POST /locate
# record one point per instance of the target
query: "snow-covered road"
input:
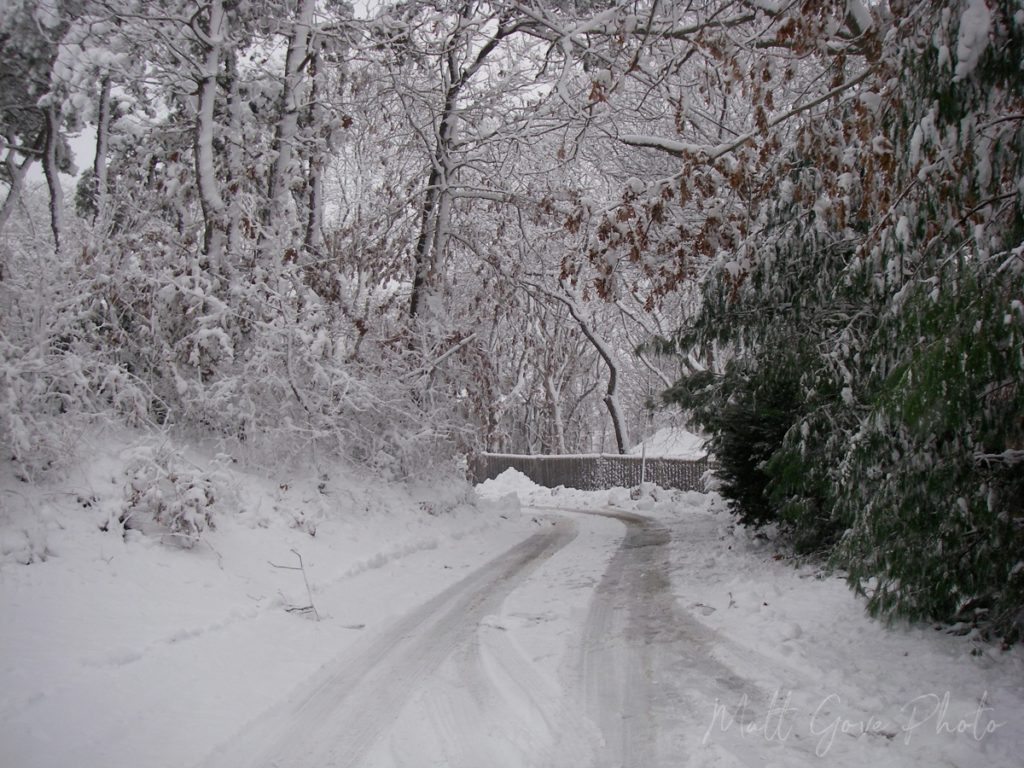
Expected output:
(573, 648)
(550, 629)
(451, 683)
(341, 713)
(647, 666)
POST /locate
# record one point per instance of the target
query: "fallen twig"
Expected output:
(311, 608)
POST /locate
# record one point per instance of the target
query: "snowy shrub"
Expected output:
(748, 411)
(30, 431)
(54, 373)
(46, 394)
(162, 487)
(25, 545)
(266, 364)
(935, 485)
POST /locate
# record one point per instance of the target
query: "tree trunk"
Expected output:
(432, 238)
(99, 165)
(286, 133)
(52, 172)
(317, 161)
(206, 177)
(16, 174)
(611, 400)
(235, 165)
(558, 424)
(421, 255)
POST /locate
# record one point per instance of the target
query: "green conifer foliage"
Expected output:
(935, 485)
(748, 412)
(891, 255)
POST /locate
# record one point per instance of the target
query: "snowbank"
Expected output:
(511, 481)
(649, 499)
(841, 688)
(124, 648)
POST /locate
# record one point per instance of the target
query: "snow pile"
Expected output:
(513, 484)
(512, 490)
(510, 481)
(672, 443)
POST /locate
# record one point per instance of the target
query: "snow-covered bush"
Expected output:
(748, 411)
(54, 371)
(165, 489)
(45, 394)
(31, 402)
(24, 545)
(935, 488)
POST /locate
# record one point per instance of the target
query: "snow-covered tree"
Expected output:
(881, 253)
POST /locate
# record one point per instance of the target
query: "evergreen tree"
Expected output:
(890, 252)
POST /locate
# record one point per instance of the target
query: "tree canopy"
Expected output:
(402, 235)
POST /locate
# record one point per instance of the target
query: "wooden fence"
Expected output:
(592, 472)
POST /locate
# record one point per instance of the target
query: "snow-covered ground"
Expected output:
(123, 649)
(519, 626)
(820, 683)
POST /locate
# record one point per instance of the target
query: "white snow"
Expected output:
(871, 100)
(842, 689)
(511, 482)
(856, 692)
(47, 14)
(861, 14)
(118, 650)
(672, 146)
(672, 443)
(972, 40)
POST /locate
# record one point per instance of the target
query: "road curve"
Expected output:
(637, 688)
(334, 719)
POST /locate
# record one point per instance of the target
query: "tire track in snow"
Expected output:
(493, 707)
(647, 674)
(505, 698)
(334, 719)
